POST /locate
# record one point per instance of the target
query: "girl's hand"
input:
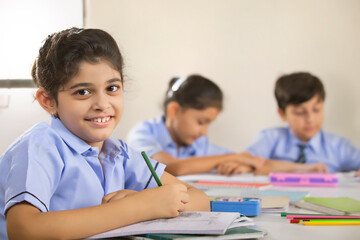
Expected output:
(357, 174)
(165, 201)
(117, 195)
(233, 167)
(253, 161)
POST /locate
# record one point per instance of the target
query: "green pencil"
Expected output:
(152, 170)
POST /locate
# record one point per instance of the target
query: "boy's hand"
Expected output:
(233, 167)
(357, 174)
(316, 167)
(117, 195)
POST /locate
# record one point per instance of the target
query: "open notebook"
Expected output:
(214, 223)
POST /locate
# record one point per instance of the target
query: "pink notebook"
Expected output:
(304, 179)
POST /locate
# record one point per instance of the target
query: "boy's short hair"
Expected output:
(297, 88)
(62, 52)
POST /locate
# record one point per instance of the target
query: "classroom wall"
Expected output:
(243, 45)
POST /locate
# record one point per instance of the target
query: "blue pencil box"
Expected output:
(248, 206)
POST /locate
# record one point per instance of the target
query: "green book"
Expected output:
(331, 205)
(232, 233)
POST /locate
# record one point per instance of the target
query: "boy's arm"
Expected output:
(199, 201)
(25, 221)
(273, 165)
(193, 165)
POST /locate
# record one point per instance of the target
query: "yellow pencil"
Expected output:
(330, 223)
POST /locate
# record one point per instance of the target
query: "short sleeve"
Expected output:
(137, 174)
(141, 138)
(262, 145)
(34, 172)
(349, 156)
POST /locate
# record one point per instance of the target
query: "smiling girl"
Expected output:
(71, 179)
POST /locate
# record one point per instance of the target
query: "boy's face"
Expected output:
(189, 124)
(305, 119)
(91, 103)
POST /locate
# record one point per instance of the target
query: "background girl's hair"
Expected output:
(194, 91)
(62, 52)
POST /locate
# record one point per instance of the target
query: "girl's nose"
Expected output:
(101, 102)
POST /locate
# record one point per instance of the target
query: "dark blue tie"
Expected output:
(301, 158)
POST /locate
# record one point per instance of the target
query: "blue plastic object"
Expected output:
(247, 206)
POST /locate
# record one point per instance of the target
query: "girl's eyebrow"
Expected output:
(90, 84)
(114, 80)
(80, 85)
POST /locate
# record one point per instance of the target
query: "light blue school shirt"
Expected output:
(52, 169)
(152, 136)
(337, 153)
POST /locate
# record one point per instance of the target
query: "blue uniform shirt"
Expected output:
(152, 136)
(280, 143)
(52, 169)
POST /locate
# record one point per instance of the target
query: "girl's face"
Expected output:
(91, 103)
(187, 125)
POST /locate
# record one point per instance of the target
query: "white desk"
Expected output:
(279, 228)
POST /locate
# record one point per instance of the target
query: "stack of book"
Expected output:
(331, 205)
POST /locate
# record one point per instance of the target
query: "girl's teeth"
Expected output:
(101, 119)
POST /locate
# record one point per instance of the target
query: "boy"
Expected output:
(303, 145)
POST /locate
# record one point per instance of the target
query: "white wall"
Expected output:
(24, 25)
(243, 45)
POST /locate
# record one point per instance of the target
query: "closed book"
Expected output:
(331, 205)
(233, 233)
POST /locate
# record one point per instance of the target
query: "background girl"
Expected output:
(179, 138)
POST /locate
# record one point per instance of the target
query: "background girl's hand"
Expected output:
(233, 167)
(117, 195)
(253, 161)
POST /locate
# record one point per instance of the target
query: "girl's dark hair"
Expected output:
(297, 88)
(195, 92)
(62, 52)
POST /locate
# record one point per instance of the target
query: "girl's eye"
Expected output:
(113, 88)
(82, 92)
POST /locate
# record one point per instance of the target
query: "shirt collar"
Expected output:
(70, 139)
(314, 144)
(113, 148)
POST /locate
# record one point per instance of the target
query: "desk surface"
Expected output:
(279, 228)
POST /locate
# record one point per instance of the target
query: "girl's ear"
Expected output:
(46, 102)
(172, 109)
(282, 114)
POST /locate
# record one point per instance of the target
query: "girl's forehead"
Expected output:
(95, 72)
(209, 112)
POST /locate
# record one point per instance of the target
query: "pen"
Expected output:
(330, 223)
(321, 220)
(151, 168)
